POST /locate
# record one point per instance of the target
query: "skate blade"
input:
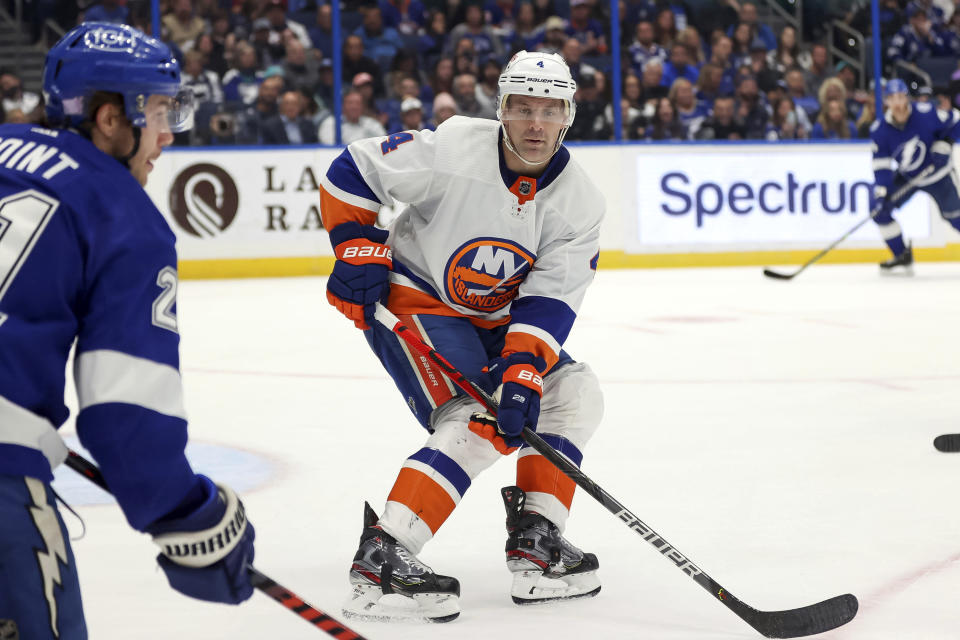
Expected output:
(898, 272)
(368, 603)
(532, 587)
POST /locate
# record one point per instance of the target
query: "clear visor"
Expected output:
(169, 114)
(555, 112)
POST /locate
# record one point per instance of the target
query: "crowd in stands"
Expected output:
(262, 70)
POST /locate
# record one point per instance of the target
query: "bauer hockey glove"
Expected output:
(205, 552)
(360, 274)
(518, 386)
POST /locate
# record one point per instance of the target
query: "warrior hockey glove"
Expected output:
(360, 274)
(205, 553)
(518, 385)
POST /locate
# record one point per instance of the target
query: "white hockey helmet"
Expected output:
(542, 75)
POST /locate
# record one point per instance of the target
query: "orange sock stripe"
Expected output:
(415, 490)
(536, 473)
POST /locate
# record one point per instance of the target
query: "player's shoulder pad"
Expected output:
(923, 107)
(584, 202)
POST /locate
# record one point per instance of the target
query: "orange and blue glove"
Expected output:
(361, 273)
(518, 384)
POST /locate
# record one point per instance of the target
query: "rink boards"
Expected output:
(254, 211)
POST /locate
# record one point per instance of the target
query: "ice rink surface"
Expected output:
(777, 433)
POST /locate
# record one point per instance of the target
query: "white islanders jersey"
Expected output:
(476, 239)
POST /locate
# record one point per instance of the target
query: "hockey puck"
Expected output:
(948, 443)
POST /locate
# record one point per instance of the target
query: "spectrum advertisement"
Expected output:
(749, 197)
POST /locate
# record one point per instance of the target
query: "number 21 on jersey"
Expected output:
(23, 217)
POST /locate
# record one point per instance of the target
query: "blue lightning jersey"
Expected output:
(924, 139)
(85, 256)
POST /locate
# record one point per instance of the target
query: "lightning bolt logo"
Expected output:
(48, 524)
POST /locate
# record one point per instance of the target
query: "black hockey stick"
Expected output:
(948, 443)
(281, 594)
(898, 194)
(793, 623)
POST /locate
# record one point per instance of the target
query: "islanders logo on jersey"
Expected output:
(485, 273)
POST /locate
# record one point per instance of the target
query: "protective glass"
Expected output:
(170, 114)
(555, 111)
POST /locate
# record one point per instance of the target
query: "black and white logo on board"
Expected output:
(204, 200)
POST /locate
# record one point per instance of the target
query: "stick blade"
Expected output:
(805, 621)
(948, 443)
(776, 275)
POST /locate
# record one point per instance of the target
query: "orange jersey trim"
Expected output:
(536, 473)
(427, 499)
(334, 211)
(408, 301)
(520, 341)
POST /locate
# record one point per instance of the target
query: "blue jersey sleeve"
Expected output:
(882, 155)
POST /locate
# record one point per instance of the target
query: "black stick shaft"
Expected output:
(281, 594)
(810, 620)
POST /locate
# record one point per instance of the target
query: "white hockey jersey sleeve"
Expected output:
(369, 174)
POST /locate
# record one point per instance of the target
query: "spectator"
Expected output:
(585, 29)
(204, 83)
(748, 16)
(213, 54)
(15, 116)
(465, 58)
(433, 38)
(590, 123)
(411, 115)
(379, 42)
(783, 124)
(289, 126)
(355, 61)
(819, 69)
(665, 124)
(690, 38)
(571, 54)
(354, 125)
(743, 37)
(465, 93)
(488, 88)
(324, 92)
(722, 125)
(652, 81)
(107, 11)
(301, 69)
(767, 77)
(15, 98)
(268, 95)
(268, 54)
(679, 66)
(867, 115)
(363, 84)
(721, 51)
(690, 112)
(321, 33)
(708, 85)
(797, 91)
(281, 27)
(834, 89)
(750, 109)
(665, 27)
(915, 39)
(525, 32)
(644, 47)
(833, 124)
(485, 41)
(788, 53)
(442, 79)
(554, 35)
(182, 25)
(444, 108)
(240, 85)
(406, 16)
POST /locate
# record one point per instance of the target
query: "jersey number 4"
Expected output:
(23, 217)
(394, 141)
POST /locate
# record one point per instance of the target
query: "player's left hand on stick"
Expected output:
(518, 383)
(361, 273)
(205, 552)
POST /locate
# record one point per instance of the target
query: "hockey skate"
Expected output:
(899, 265)
(391, 585)
(545, 566)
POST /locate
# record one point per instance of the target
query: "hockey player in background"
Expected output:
(909, 138)
(490, 262)
(85, 256)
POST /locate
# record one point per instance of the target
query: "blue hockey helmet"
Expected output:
(895, 85)
(100, 56)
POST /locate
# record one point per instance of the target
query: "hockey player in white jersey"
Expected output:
(488, 263)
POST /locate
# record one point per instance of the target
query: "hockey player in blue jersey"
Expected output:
(86, 257)
(908, 139)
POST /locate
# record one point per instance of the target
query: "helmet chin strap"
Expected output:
(556, 147)
(125, 160)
